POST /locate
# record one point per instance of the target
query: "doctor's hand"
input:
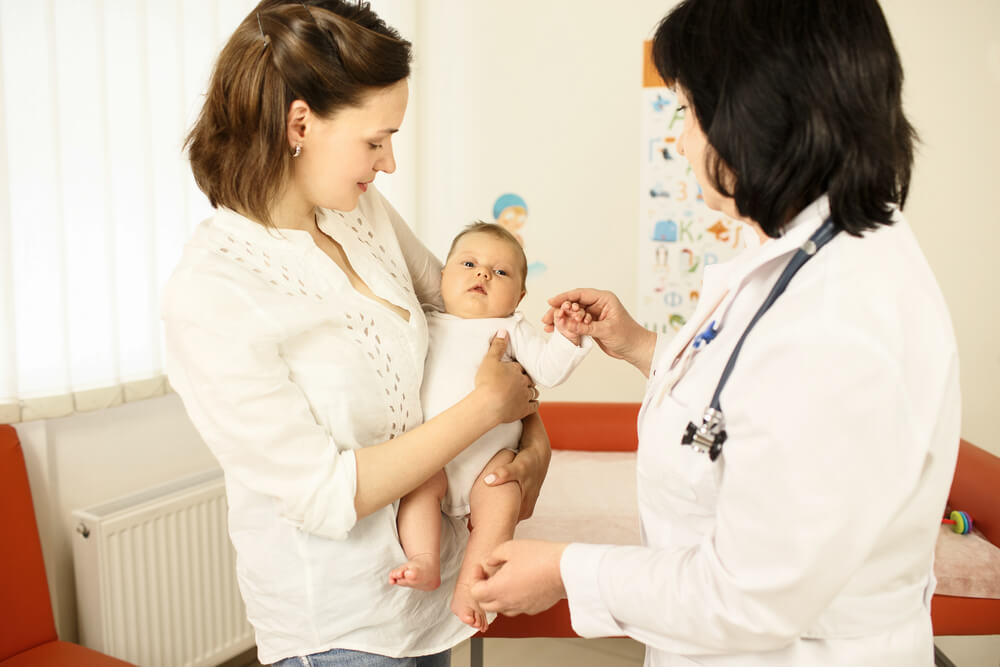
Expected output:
(601, 315)
(522, 577)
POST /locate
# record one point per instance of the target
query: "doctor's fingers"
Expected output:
(593, 301)
(509, 594)
(585, 296)
(492, 595)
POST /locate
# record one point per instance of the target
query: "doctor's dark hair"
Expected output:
(797, 99)
(328, 53)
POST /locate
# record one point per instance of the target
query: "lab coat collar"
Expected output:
(796, 233)
(729, 278)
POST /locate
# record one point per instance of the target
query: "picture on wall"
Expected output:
(510, 211)
(678, 235)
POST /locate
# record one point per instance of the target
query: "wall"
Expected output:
(951, 56)
(541, 98)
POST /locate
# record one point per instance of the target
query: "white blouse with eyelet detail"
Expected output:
(285, 370)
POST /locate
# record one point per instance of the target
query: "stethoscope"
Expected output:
(710, 435)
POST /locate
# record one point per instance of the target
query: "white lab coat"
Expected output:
(810, 541)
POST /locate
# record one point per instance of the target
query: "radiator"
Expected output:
(156, 577)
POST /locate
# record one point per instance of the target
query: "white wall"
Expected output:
(951, 56)
(541, 98)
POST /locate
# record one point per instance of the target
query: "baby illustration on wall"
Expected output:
(511, 212)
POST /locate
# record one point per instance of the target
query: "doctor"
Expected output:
(806, 536)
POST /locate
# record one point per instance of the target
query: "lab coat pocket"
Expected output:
(671, 473)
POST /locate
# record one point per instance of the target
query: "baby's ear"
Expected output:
(521, 298)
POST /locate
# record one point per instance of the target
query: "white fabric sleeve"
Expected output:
(588, 613)
(224, 362)
(549, 361)
(825, 434)
(662, 344)
(423, 265)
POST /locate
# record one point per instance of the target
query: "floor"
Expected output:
(554, 653)
(963, 651)
(532, 653)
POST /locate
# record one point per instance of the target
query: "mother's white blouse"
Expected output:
(285, 370)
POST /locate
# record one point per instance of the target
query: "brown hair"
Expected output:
(496, 231)
(329, 54)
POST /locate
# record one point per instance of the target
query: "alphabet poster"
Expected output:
(678, 235)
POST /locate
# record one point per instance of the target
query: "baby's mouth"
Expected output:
(478, 288)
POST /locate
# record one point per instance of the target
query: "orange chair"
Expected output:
(975, 489)
(612, 427)
(27, 628)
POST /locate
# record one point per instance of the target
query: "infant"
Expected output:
(481, 284)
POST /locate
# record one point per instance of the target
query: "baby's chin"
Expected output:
(473, 313)
(484, 315)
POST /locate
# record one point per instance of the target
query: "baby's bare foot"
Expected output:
(467, 609)
(422, 572)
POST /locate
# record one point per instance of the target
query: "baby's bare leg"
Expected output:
(419, 525)
(494, 512)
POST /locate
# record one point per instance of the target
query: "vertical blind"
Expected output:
(96, 196)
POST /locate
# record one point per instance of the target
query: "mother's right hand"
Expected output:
(509, 390)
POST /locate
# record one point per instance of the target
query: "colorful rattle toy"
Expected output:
(960, 522)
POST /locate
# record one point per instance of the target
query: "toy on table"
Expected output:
(960, 522)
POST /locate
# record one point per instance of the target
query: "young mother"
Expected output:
(809, 540)
(296, 340)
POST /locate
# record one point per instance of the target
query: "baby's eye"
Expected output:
(501, 272)
(467, 264)
(374, 146)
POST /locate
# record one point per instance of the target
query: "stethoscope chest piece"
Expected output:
(709, 436)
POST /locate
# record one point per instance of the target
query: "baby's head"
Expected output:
(483, 275)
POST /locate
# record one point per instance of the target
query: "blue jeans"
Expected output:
(339, 657)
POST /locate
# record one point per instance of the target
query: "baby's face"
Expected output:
(482, 277)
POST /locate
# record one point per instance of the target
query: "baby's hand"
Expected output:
(565, 319)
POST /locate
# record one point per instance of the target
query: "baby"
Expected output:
(481, 284)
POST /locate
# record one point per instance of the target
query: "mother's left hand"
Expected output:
(530, 465)
(522, 577)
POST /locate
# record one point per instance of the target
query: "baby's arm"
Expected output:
(548, 362)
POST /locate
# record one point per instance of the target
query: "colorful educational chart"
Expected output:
(678, 235)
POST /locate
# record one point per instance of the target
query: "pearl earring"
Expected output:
(298, 150)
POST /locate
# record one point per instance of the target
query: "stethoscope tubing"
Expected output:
(710, 435)
(806, 251)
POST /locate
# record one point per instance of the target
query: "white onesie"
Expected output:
(455, 351)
